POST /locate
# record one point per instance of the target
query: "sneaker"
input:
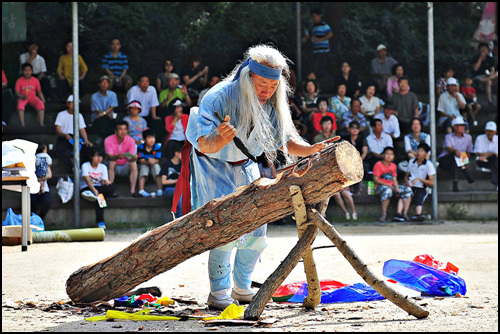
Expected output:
(89, 196)
(220, 304)
(347, 216)
(144, 193)
(244, 298)
(420, 218)
(399, 217)
(354, 216)
(159, 193)
(101, 225)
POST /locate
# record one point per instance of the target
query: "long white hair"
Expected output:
(248, 112)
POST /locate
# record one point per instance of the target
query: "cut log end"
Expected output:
(350, 163)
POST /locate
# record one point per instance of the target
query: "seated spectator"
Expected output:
(381, 68)
(353, 114)
(420, 175)
(327, 130)
(148, 160)
(39, 67)
(266, 167)
(115, 65)
(121, 152)
(169, 174)
(8, 104)
(349, 80)
(450, 104)
(95, 181)
(136, 124)
(176, 125)
(415, 138)
(456, 145)
(484, 72)
(65, 72)
(64, 131)
(389, 121)
(406, 104)
(345, 195)
(310, 98)
(102, 107)
(386, 186)
(173, 91)
(340, 104)
(162, 77)
(303, 87)
(320, 114)
(41, 202)
(27, 89)
(147, 96)
(441, 83)
(377, 141)
(471, 105)
(393, 81)
(294, 99)
(214, 80)
(486, 149)
(194, 77)
(370, 104)
(358, 140)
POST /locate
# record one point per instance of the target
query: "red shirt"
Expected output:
(379, 169)
(4, 78)
(317, 121)
(28, 87)
(468, 92)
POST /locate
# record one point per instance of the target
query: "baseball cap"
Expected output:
(491, 126)
(71, 98)
(452, 81)
(134, 104)
(173, 75)
(390, 106)
(177, 103)
(458, 121)
(104, 77)
(381, 47)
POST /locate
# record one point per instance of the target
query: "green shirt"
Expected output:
(320, 137)
(177, 94)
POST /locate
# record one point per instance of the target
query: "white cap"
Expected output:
(134, 103)
(381, 47)
(452, 81)
(177, 103)
(70, 99)
(491, 126)
(458, 121)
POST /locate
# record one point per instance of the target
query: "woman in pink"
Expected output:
(27, 88)
(393, 81)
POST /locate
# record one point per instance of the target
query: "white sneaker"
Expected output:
(144, 193)
(243, 297)
(347, 216)
(89, 196)
(220, 304)
(354, 216)
(159, 193)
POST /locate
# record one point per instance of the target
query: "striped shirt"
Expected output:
(320, 30)
(115, 65)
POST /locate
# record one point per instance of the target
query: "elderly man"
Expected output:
(381, 68)
(486, 148)
(449, 105)
(457, 146)
(252, 101)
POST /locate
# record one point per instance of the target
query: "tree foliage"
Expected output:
(220, 32)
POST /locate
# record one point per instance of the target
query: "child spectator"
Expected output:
(386, 185)
(170, 172)
(27, 89)
(95, 181)
(471, 105)
(136, 124)
(320, 114)
(326, 130)
(39, 67)
(41, 202)
(419, 176)
(148, 160)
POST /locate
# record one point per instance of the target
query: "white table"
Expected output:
(26, 205)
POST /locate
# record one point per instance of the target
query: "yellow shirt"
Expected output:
(65, 67)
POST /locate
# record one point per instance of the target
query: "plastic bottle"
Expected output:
(371, 188)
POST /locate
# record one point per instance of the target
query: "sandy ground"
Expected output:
(39, 276)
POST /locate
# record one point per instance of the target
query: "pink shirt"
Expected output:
(28, 87)
(112, 146)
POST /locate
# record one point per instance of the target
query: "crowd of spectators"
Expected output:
(382, 118)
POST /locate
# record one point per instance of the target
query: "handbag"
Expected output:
(13, 219)
(65, 189)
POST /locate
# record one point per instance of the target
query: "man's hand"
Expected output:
(226, 131)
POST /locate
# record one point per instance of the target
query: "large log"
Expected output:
(217, 223)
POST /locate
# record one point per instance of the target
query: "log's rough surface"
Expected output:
(218, 222)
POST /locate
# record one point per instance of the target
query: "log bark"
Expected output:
(217, 223)
(362, 269)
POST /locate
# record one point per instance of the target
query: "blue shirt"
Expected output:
(115, 65)
(103, 102)
(321, 30)
(211, 175)
(143, 153)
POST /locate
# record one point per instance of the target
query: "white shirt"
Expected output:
(38, 63)
(148, 99)
(377, 145)
(178, 132)
(483, 145)
(65, 120)
(421, 171)
(96, 175)
(449, 105)
(370, 106)
(391, 125)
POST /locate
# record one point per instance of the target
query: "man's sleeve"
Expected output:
(202, 122)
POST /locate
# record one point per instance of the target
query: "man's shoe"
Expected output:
(245, 298)
(220, 304)
(89, 196)
(421, 218)
(399, 217)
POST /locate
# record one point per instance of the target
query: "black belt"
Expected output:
(234, 163)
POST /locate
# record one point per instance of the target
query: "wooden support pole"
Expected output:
(362, 269)
(314, 296)
(273, 282)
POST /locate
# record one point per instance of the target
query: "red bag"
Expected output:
(430, 261)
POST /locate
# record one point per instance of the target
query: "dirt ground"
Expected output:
(39, 276)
